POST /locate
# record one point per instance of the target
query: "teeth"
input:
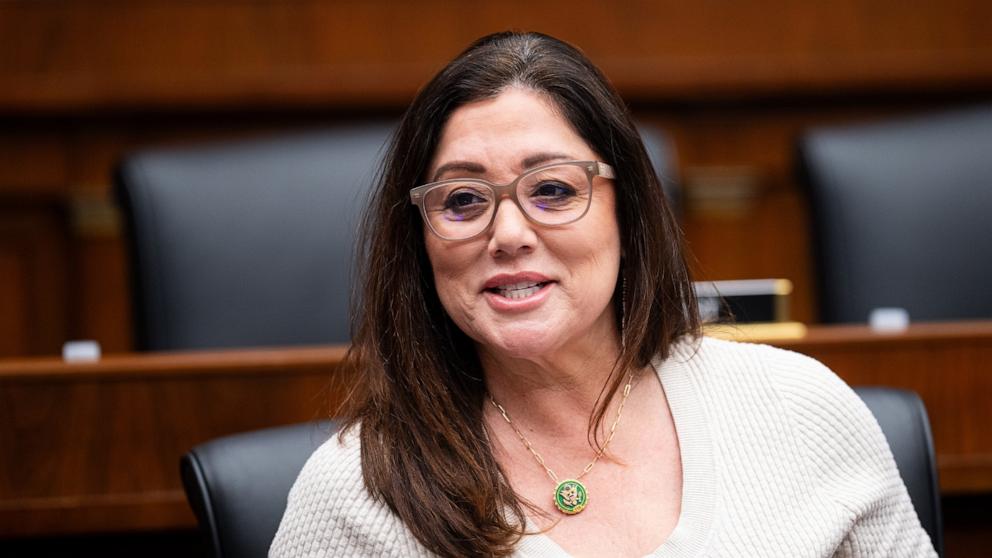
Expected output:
(519, 290)
(520, 293)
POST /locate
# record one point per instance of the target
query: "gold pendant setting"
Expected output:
(571, 496)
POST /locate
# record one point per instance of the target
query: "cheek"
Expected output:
(598, 258)
(602, 269)
(603, 231)
(451, 266)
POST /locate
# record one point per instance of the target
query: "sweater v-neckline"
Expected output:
(691, 532)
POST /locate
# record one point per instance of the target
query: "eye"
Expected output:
(462, 203)
(554, 190)
(463, 199)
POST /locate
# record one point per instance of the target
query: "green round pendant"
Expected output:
(571, 496)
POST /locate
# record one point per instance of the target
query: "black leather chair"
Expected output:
(906, 426)
(251, 243)
(900, 214)
(247, 243)
(238, 485)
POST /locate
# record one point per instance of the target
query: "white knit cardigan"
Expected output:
(779, 458)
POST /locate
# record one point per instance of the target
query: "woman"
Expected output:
(533, 379)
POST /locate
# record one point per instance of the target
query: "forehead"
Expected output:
(500, 133)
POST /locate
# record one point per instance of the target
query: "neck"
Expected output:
(552, 391)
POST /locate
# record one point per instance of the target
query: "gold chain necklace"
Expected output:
(570, 495)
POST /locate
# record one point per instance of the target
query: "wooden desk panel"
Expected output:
(96, 447)
(91, 448)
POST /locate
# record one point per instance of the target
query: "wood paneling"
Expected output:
(13, 339)
(104, 313)
(33, 271)
(32, 158)
(97, 445)
(83, 55)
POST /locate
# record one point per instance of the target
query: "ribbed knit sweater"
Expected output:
(779, 458)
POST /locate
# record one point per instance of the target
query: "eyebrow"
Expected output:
(475, 168)
(539, 158)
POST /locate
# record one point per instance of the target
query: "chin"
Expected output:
(522, 343)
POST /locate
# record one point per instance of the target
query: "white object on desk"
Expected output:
(81, 351)
(888, 320)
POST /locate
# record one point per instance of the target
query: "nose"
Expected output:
(511, 234)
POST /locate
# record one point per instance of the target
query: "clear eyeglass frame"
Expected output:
(500, 191)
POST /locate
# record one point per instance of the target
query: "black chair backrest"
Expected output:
(248, 243)
(238, 485)
(900, 214)
(906, 426)
(664, 158)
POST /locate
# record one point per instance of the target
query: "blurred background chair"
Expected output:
(900, 214)
(661, 150)
(248, 243)
(238, 485)
(251, 243)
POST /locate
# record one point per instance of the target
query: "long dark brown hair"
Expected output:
(419, 404)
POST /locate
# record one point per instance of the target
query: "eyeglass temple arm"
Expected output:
(604, 170)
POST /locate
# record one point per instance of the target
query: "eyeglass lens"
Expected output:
(553, 195)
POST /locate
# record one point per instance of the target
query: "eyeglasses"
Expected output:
(555, 194)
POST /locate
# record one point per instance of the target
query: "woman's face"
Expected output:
(521, 289)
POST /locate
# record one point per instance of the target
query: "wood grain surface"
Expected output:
(95, 447)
